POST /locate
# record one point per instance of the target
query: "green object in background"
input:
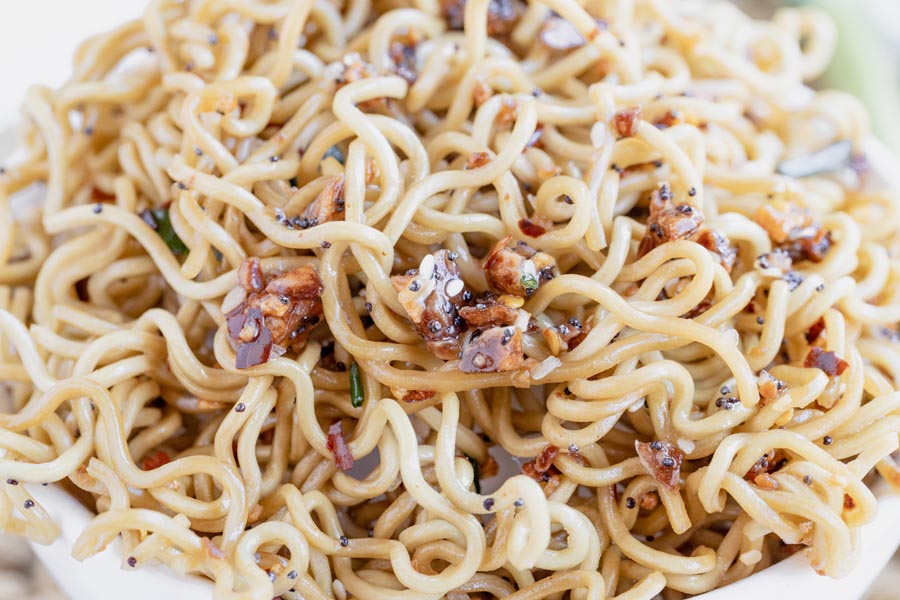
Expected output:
(864, 66)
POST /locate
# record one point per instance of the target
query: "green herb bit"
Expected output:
(158, 219)
(529, 282)
(476, 476)
(357, 397)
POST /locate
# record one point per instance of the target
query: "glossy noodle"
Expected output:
(303, 276)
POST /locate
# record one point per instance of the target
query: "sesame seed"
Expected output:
(273, 159)
(573, 448)
(414, 286)
(827, 440)
(240, 407)
(344, 541)
(692, 192)
(519, 503)
(292, 575)
(132, 561)
(488, 504)
(760, 320)
(12, 482)
(630, 502)
(368, 307)
(820, 287)
(29, 503)
(213, 39)
(668, 462)
(325, 244)
(98, 208)
(198, 151)
(807, 480)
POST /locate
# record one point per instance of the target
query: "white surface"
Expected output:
(37, 39)
(102, 577)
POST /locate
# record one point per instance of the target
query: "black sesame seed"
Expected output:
(760, 320)
(668, 462)
(827, 440)
(414, 286)
(807, 480)
(368, 307)
(725, 389)
(98, 208)
(467, 295)
(519, 503)
(273, 159)
(272, 576)
(630, 502)
(29, 503)
(180, 185)
(692, 192)
(213, 39)
(434, 326)
(240, 407)
(12, 481)
(284, 300)
(292, 575)
(453, 255)
(325, 244)
(132, 561)
(198, 151)
(656, 445)
(820, 287)
(488, 504)
(567, 392)
(344, 541)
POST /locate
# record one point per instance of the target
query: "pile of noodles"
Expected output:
(699, 348)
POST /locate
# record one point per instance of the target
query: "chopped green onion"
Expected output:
(335, 153)
(293, 181)
(529, 282)
(476, 477)
(158, 219)
(357, 397)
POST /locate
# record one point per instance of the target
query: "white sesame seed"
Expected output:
(426, 267)
(339, 591)
(528, 268)
(454, 287)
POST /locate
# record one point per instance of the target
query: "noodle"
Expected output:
(307, 274)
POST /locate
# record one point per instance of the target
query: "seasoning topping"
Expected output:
(668, 222)
(281, 311)
(662, 461)
(492, 350)
(518, 270)
(432, 302)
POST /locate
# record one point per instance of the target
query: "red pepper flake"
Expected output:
(826, 361)
(541, 469)
(98, 195)
(627, 121)
(769, 386)
(155, 460)
(410, 396)
(343, 459)
(669, 119)
(849, 504)
(662, 460)
(530, 228)
(478, 159)
(649, 501)
(815, 331)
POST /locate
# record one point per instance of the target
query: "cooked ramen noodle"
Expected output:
(456, 299)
